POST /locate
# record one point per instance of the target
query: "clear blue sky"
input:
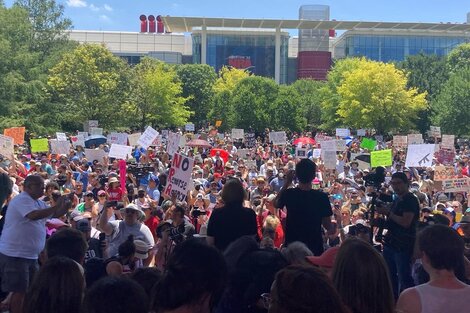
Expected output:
(123, 15)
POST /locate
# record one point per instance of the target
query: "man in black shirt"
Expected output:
(307, 209)
(402, 218)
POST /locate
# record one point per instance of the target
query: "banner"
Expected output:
(329, 159)
(278, 138)
(173, 143)
(343, 132)
(250, 140)
(300, 153)
(415, 139)
(400, 141)
(61, 136)
(39, 145)
(238, 133)
(179, 176)
(443, 172)
(133, 139)
(147, 137)
(381, 158)
(448, 142)
(95, 154)
(419, 155)
(120, 151)
(17, 133)
(78, 140)
(456, 185)
(59, 147)
(189, 127)
(368, 144)
(117, 138)
(435, 131)
(6, 147)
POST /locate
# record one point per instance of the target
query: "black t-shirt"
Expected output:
(229, 223)
(397, 236)
(94, 249)
(305, 211)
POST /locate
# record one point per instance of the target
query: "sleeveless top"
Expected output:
(438, 300)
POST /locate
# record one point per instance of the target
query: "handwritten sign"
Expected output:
(61, 136)
(321, 137)
(329, 159)
(78, 140)
(84, 134)
(238, 133)
(442, 173)
(17, 133)
(456, 185)
(368, 144)
(419, 155)
(381, 158)
(39, 145)
(133, 139)
(448, 142)
(179, 176)
(147, 137)
(6, 146)
(316, 153)
(278, 138)
(343, 132)
(117, 138)
(361, 132)
(250, 140)
(415, 139)
(400, 141)
(189, 127)
(120, 151)
(95, 154)
(435, 131)
(333, 145)
(173, 143)
(59, 147)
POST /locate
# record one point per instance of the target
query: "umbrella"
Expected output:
(95, 140)
(304, 141)
(223, 154)
(198, 143)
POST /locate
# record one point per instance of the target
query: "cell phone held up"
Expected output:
(112, 204)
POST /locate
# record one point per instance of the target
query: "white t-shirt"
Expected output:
(121, 232)
(21, 236)
(437, 300)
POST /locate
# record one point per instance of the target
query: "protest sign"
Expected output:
(448, 142)
(95, 131)
(133, 139)
(6, 146)
(59, 147)
(340, 145)
(158, 141)
(89, 125)
(278, 138)
(165, 133)
(419, 155)
(39, 145)
(95, 154)
(61, 136)
(179, 176)
(343, 132)
(243, 153)
(322, 137)
(173, 143)
(361, 132)
(78, 140)
(445, 157)
(329, 159)
(17, 133)
(379, 138)
(238, 133)
(117, 138)
(250, 140)
(381, 158)
(400, 141)
(147, 137)
(329, 145)
(415, 139)
(120, 151)
(189, 127)
(84, 134)
(368, 144)
(300, 153)
(218, 123)
(316, 153)
(435, 131)
(362, 159)
(443, 173)
(456, 185)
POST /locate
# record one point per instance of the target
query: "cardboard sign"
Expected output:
(133, 139)
(173, 143)
(179, 176)
(368, 144)
(456, 185)
(61, 136)
(343, 132)
(381, 158)
(6, 146)
(250, 140)
(400, 141)
(95, 131)
(189, 127)
(78, 140)
(59, 147)
(278, 138)
(435, 131)
(362, 159)
(118, 138)
(442, 173)
(448, 142)
(361, 132)
(95, 154)
(39, 145)
(415, 139)
(238, 133)
(120, 151)
(17, 133)
(147, 137)
(419, 155)
(329, 159)
(445, 157)
(300, 153)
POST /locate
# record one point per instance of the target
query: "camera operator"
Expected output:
(402, 219)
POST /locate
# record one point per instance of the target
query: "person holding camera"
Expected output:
(401, 221)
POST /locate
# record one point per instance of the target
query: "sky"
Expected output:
(123, 15)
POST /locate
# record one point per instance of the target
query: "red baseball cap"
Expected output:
(217, 175)
(327, 259)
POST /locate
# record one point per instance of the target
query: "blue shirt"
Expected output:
(153, 193)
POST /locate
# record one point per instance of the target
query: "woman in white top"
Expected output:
(442, 254)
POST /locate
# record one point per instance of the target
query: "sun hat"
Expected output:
(141, 249)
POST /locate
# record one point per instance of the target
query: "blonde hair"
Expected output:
(271, 221)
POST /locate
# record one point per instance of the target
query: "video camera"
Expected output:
(139, 170)
(176, 233)
(195, 213)
(376, 178)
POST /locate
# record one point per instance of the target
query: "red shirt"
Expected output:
(152, 223)
(115, 194)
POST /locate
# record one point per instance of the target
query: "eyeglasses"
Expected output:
(267, 300)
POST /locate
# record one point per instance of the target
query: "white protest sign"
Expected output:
(448, 142)
(329, 145)
(95, 131)
(120, 151)
(6, 146)
(238, 133)
(179, 176)
(435, 131)
(78, 140)
(84, 134)
(361, 132)
(189, 127)
(316, 153)
(343, 132)
(59, 147)
(243, 153)
(173, 143)
(95, 154)
(118, 138)
(419, 155)
(415, 139)
(456, 185)
(300, 153)
(61, 136)
(400, 141)
(329, 159)
(147, 137)
(90, 124)
(278, 138)
(133, 139)
(321, 137)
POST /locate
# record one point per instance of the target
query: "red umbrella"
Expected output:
(198, 143)
(223, 154)
(304, 141)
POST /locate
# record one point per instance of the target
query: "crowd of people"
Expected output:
(263, 231)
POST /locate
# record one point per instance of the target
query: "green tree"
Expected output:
(253, 100)
(375, 96)
(310, 99)
(198, 81)
(92, 83)
(157, 95)
(288, 110)
(451, 106)
(459, 58)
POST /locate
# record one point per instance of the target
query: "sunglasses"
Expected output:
(128, 211)
(102, 196)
